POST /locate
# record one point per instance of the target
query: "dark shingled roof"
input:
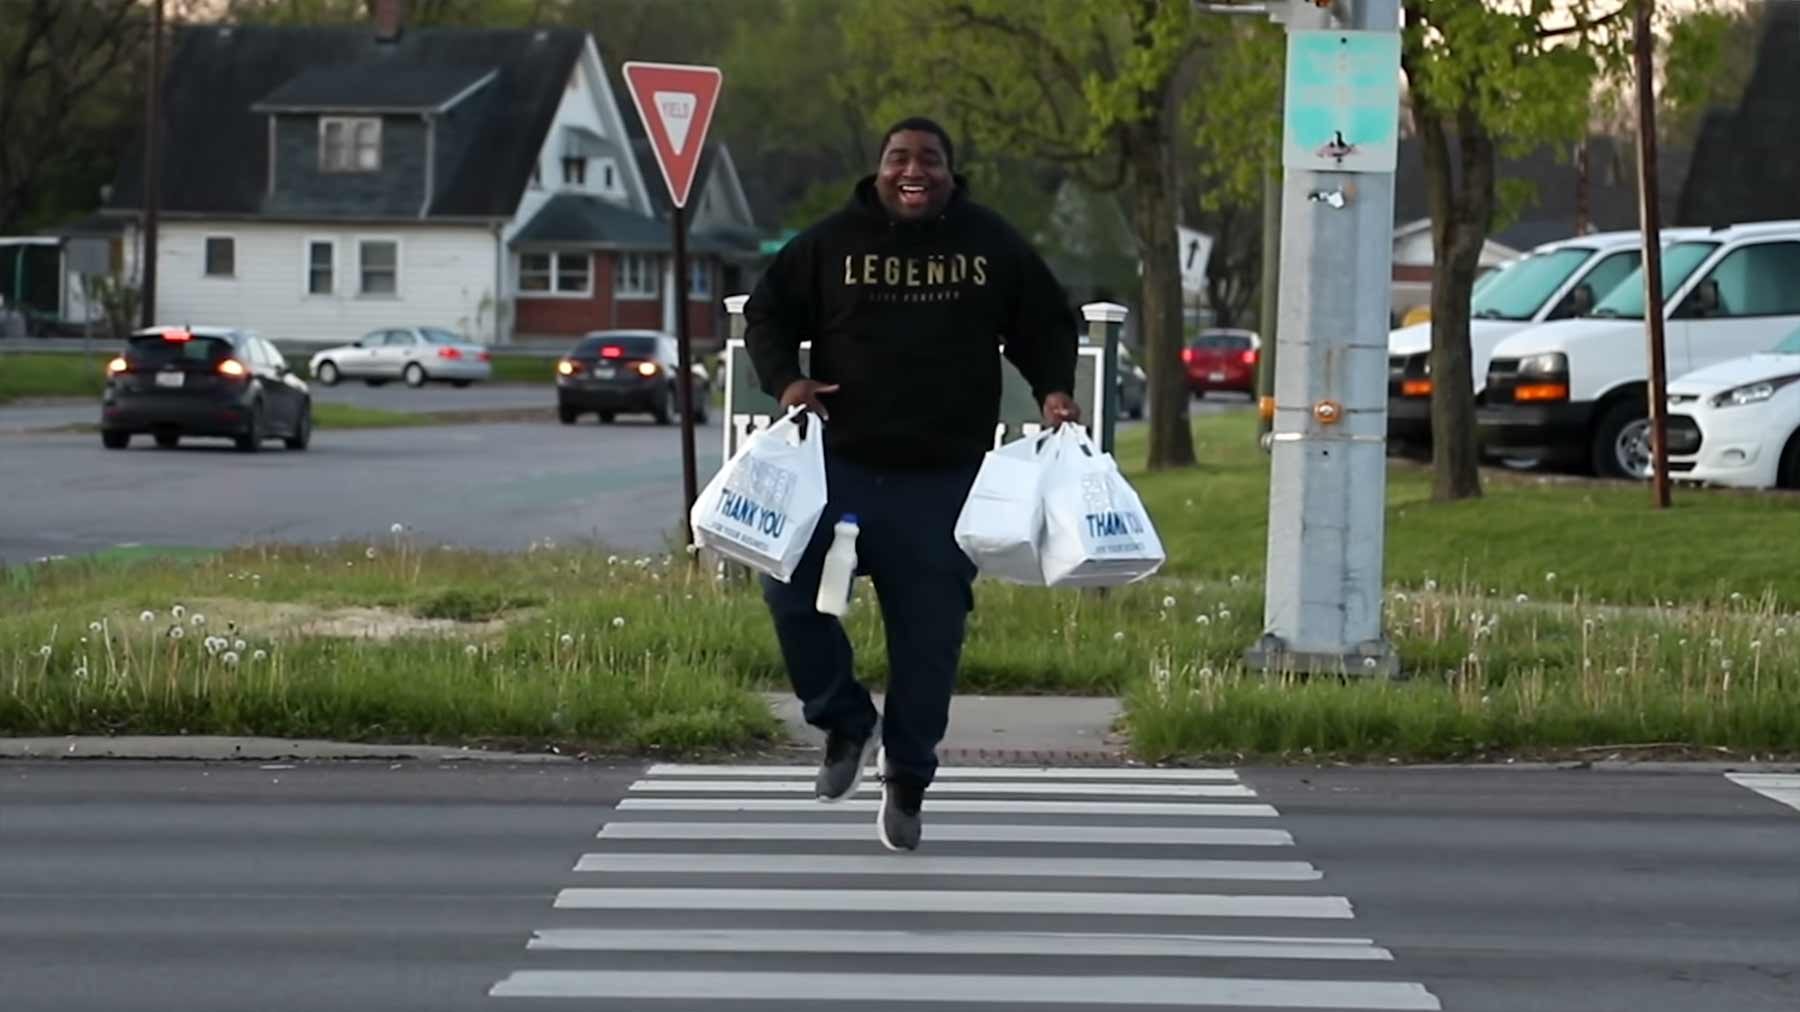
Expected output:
(216, 146)
(374, 88)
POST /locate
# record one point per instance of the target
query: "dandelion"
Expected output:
(257, 577)
(148, 616)
(369, 553)
(693, 549)
(1620, 672)
(1473, 658)
(397, 529)
(199, 620)
(1756, 644)
(1549, 577)
(81, 673)
(1399, 598)
(1476, 617)
(1725, 663)
(45, 651)
(1236, 579)
(1735, 596)
(643, 563)
(471, 650)
(230, 658)
(1780, 632)
(1206, 672)
(239, 646)
(1224, 614)
(1587, 626)
(618, 621)
(1118, 637)
(612, 560)
(1168, 602)
(93, 627)
(1521, 599)
(1717, 643)
(566, 640)
(176, 632)
(212, 647)
(1369, 663)
(178, 611)
(1202, 620)
(1431, 585)
(260, 655)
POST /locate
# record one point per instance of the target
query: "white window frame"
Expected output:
(205, 267)
(555, 276)
(700, 269)
(652, 274)
(353, 153)
(578, 163)
(399, 274)
(306, 266)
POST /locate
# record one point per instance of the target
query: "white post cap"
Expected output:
(1105, 312)
(734, 304)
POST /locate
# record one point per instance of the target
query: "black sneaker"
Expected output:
(898, 820)
(842, 771)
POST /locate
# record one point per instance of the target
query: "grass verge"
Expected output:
(47, 375)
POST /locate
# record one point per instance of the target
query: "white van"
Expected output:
(1555, 281)
(1575, 391)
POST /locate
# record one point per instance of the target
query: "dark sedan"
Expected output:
(174, 382)
(614, 372)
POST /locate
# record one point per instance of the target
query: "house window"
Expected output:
(321, 266)
(555, 274)
(609, 180)
(221, 256)
(349, 145)
(379, 261)
(575, 171)
(637, 277)
(699, 279)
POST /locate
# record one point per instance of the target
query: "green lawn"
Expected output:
(50, 375)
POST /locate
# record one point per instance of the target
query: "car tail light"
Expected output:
(450, 353)
(612, 351)
(1415, 388)
(1187, 355)
(567, 368)
(1540, 392)
(483, 357)
(117, 365)
(1250, 357)
(648, 368)
(232, 367)
(177, 335)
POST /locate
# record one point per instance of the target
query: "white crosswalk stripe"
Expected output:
(750, 862)
(1782, 787)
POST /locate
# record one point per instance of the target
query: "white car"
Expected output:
(1738, 423)
(1556, 281)
(416, 355)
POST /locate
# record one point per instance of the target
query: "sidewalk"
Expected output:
(982, 729)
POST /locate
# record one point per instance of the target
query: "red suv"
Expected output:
(1222, 360)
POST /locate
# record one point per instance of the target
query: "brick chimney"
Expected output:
(390, 16)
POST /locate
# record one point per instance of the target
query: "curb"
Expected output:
(210, 748)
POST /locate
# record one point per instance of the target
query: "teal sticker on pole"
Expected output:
(1342, 102)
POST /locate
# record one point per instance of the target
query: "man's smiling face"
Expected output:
(914, 180)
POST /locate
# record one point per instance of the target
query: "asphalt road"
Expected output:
(208, 887)
(491, 485)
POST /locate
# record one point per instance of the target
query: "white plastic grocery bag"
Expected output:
(1096, 530)
(762, 506)
(1001, 526)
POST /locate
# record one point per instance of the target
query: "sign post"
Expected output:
(676, 102)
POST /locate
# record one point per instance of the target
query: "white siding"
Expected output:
(586, 103)
(446, 279)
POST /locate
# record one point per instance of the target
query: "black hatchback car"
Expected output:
(613, 372)
(203, 381)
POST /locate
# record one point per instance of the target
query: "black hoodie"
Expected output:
(908, 319)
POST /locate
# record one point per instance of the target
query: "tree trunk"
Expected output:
(1153, 223)
(1461, 213)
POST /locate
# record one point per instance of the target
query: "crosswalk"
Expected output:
(1782, 787)
(730, 887)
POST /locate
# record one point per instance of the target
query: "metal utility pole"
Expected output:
(1649, 199)
(1328, 475)
(685, 385)
(152, 167)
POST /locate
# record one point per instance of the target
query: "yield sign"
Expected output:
(676, 102)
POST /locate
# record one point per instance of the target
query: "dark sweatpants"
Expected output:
(907, 548)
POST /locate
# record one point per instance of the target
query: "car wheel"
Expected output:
(660, 408)
(251, 440)
(567, 415)
(302, 436)
(328, 374)
(414, 375)
(168, 440)
(606, 418)
(114, 440)
(1621, 446)
(1789, 475)
(459, 384)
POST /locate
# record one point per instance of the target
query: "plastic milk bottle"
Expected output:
(840, 568)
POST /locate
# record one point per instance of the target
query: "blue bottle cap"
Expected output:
(848, 518)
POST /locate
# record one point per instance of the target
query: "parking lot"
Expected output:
(492, 485)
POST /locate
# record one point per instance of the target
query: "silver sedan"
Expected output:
(414, 355)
